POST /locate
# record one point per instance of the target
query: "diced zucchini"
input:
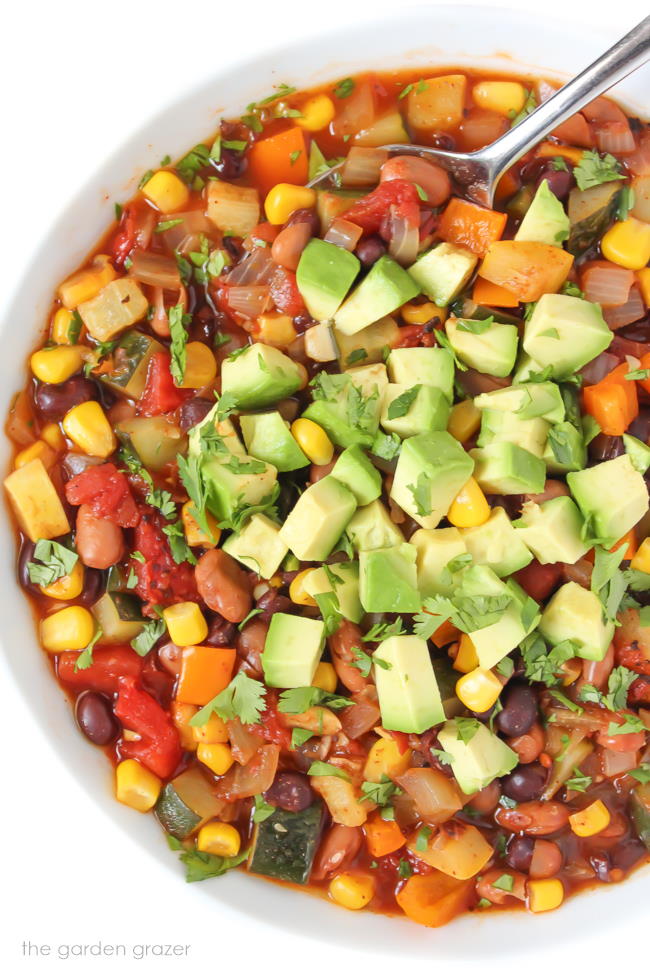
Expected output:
(640, 811)
(591, 212)
(154, 439)
(187, 801)
(119, 616)
(130, 363)
(174, 816)
(447, 678)
(284, 845)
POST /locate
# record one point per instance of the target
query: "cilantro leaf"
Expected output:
(85, 658)
(402, 403)
(642, 773)
(475, 326)
(363, 661)
(379, 792)
(244, 698)
(386, 445)
(421, 492)
(262, 809)
(467, 728)
(178, 333)
(299, 736)
(593, 169)
(324, 768)
(297, 700)
(148, 636)
(578, 782)
(53, 561)
(382, 631)
(181, 552)
(202, 866)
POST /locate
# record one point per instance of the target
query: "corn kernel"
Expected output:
(466, 658)
(182, 714)
(194, 535)
(68, 586)
(284, 198)
(478, 690)
(86, 284)
(213, 732)
(64, 326)
(217, 757)
(36, 451)
(56, 364)
(545, 895)
(136, 786)
(276, 329)
(166, 191)
(469, 508)
(51, 434)
(325, 678)
(352, 890)
(421, 314)
(297, 592)
(317, 112)
(641, 559)
(88, 427)
(464, 420)
(643, 279)
(200, 366)
(220, 839)
(627, 243)
(313, 440)
(591, 820)
(186, 624)
(503, 97)
(71, 628)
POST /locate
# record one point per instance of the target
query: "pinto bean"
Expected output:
(552, 489)
(485, 888)
(433, 179)
(250, 645)
(318, 471)
(339, 847)
(547, 859)
(223, 586)
(528, 746)
(98, 541)
(535, 818)
(341, 645)
(486, 800)
(597, 672)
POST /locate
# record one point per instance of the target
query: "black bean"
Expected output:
(525, 783)
(94, 586)
(637, 331)
(519, 853)
(54, 401)
(231, 164)
(221, 633)
(442, 140)
(370, 249)
(604, 447)
(290, 791)
(625, 855)
(305, 215)
(559, 181)
(26, 555)
(519, 712)
(272, 602)
(193, 411)
(640, 427)
(95, 717)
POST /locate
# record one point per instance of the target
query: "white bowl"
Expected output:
(470, 36)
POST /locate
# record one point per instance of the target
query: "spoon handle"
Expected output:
(627, 54)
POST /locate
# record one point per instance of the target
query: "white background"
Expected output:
(76, 79)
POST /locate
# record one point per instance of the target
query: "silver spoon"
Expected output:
(479, 172)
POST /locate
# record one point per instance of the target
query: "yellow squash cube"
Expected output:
(325, 678)
(36, 451)
(84, 285)
(641, 559)
(194, 535)
(627, 243)
(117, 306)
(385, 758)
(466, 658)
(35, 502)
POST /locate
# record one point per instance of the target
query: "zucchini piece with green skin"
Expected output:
(640, 812)
(119, 615)
(174, 816)
(186, 802)
(131, 358)
(591, 212)
(285, 844)
(447, 678)
(154, 439)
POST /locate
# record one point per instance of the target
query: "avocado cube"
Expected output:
(388, 580)
(565, 449)
(372, 380)
(431, 470)
(545, 221)
(497, 544)
(324, 276)
(316, 522)
(409, 698)
(385, 288)
(267, 437)
(497, 426)
(443, 272)
(436, 547)
(348, 405)
(428, 367)
(505, 468)
(495, 641)
(292, 650)
(493, 350)
(368, 345)
(35, 502)
(564, 333)
(612, 495)
(260, 376)
(224, 439)
(478, 761)
(258, 546)
(371, 527)
(232, 482)
(575, 613)
(553, 530)
(526, 400)
(358, 474)
(429, 410)
(639, 453)
(343, 580)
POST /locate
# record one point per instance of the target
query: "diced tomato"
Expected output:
(159, 747)
(401, 740)
(273, 728)
(412, 336)
(160, 394)
(370, 211)
(285, 294)
(160, 580)
(109, 664)
(639, 692)
(539, 581)
(621, 743)
(124, 240)
(630, 655)
(108, 493)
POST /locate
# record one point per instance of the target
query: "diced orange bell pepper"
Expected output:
(507, 185)
(280, 158)
(575, 131)
(645, 364)
(446, 633)
(470, 225)
(205, 672)
(486, 293)
(548, 150)
(383, 836)
(525, 267)
(629, 542)
(613, 402)
(433, 899)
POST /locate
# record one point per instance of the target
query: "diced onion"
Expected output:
(617, 763)
(361, 716)
(249, 301)
(544, 90)
(193, 222)
(362, 166)
(615, 137)
(243, 743)
(607, 284)
(641, 208)
(343, 233)
(74, 463)
(436, 797)
(20, 424)
(631, 311)
(243, 781)
(256, 268)
(638, 162)
(404, 239)
(158, 270)
(357, 113)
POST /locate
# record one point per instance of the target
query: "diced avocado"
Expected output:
(119, 614)
(407, 415)
(386, 287)
(492, 350)
(565, 449)
(497, 426)
(130, 359)
(495, 641)
(443, 272)
(496, 544)
(285, 843)
(343, 580)
(292, 650)
(347, 414)
(324, 276)
(431, 470)
(35, 502)
(388, 580)
(477, 760)
(505, 468)
(267, 437)
(316, 522)
(525, 368)
(639, 453)
(371, 527)
(409, 698)
(258, 546)
(565, 333)
(430, 367)
(225, 442)
(553, 530)
(232, 482)
(436, 547)
(612, 497)
(527, 400)
(260, 376)
(545, 221)
(640, 812)
(370, 379)
(368, 345)
(358, 474)
(574, 613)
